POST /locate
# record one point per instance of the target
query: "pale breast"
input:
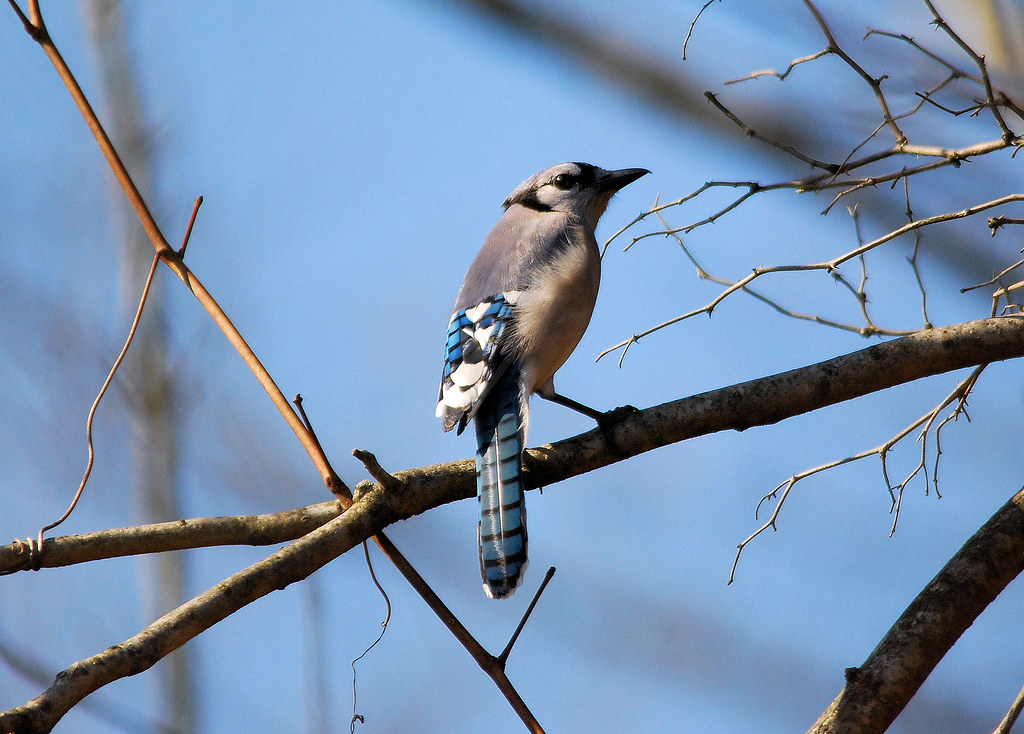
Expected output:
(553, 313)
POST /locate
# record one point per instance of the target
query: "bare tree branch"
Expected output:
(763, 401)
(141, 652)
(827, 266)
(205, 532)
(758, 402)
(878, 690)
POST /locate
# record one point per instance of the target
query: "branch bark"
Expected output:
(205, 532)
(877, 691)
(141, 652)
(763, 401)
(758, 402)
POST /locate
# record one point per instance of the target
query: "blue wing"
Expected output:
(475, 357)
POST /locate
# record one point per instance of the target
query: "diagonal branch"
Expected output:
(877, 691)
(36, 28)
(174, 629)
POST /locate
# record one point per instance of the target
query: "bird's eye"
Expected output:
(564, 181)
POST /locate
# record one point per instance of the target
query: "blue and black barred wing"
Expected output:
(473, 358)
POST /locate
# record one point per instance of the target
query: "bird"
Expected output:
(523, 307)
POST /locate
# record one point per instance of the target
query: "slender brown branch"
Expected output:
(188, 230)
(877, 691)
(491, 665)
(503, 657)
(300, 427)
(203, 532)
(170, 257)
(875, 84)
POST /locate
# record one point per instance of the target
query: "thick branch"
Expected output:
(762, 401)
(141, 652)
(758, 402)
(268, 529)
(769, 400)
(877, 691)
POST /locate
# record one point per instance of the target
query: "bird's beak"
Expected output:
(615, 180)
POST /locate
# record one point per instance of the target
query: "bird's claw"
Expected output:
(607, 422)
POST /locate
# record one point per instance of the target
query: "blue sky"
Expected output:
(352, 158)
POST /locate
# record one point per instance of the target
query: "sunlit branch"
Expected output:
(877, 691)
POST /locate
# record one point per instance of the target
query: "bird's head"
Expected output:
(574, 188)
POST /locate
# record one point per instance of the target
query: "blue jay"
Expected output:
(522, 309)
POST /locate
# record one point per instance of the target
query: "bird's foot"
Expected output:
(607, 423)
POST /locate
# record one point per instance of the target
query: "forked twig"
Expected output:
(925, 423)
(869, 328)
(827, 266)
(979, 60)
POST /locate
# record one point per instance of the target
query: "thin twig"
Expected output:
(780, 75)
(752, 133)
(337, 487)
(1006, 725)
(693, 23)
(882, 451)
(503, 657)
(913, 258)
(356, 716)
(875, 84)
(36, 549)
(188, 230)
(995, 278)
(955, 70)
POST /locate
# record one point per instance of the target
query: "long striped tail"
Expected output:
(501, 533)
